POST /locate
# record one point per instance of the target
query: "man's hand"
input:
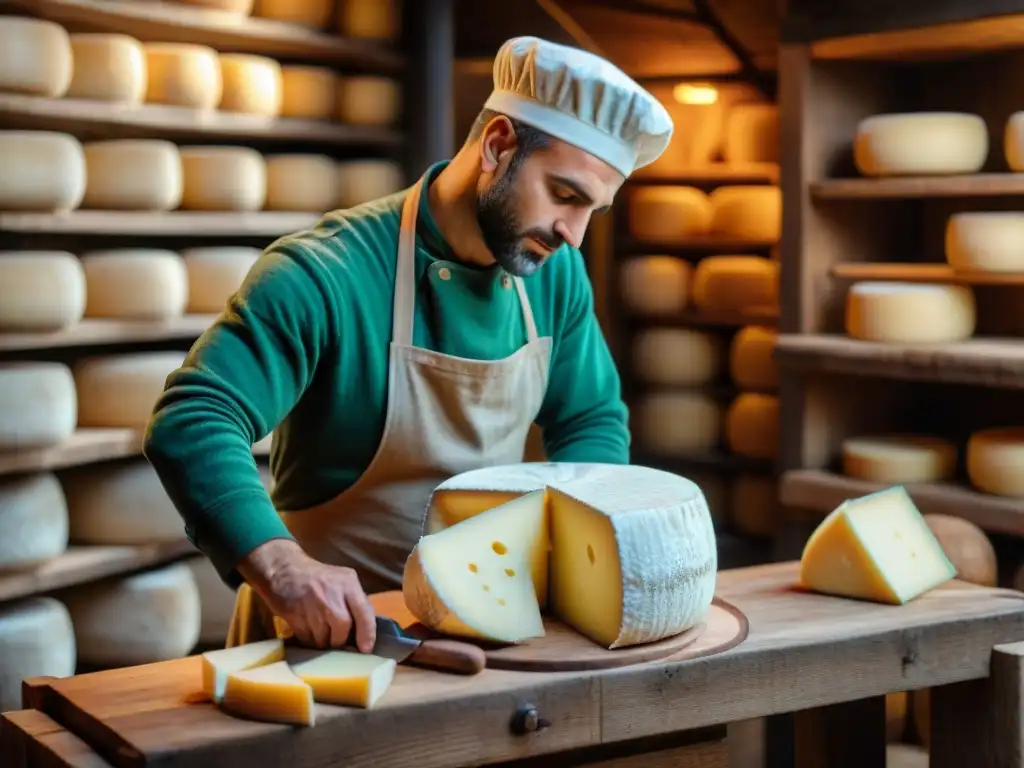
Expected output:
(320, 602)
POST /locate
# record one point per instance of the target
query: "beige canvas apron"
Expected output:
(445, 415)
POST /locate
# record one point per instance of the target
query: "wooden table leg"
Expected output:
(980, 723)
(849, 735)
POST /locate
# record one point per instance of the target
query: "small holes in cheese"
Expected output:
(509, 572)
(473, 568)
(590, 554)
(487, 587)
(499, 548)
(501, 601)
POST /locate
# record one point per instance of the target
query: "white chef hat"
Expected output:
(581, 99)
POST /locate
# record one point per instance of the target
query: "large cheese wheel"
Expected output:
(135, 284)
(371, 19)
(133, 174)
(223, 179)
(301, 183)
(678, 423)
(250, 84)
(922, 143)
(38, 405)
(736, 283)
(985, 240)
(214, 274)
(35, 57)
(42, 171)
(896, 721)
(140, 619)
(360, 181)
(40, 291)
(910, 313)
(899, 459)
(121, 390)
(752, 366)
(216, 601)
(747, 213)
(755, 505)
(995, 461)
(751, 134)
(655, 285)
(1013, 141)
(752, 426)
(967, 547)
(306, 13)
(307, 92)
(369, 100)
(663, 215)
(33, 519)
(183, 75)
(36, 640)
(108, 67)
(677, 357)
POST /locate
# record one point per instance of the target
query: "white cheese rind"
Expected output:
(42, 171)
(38, 405)
(910, 313)
(132, 174)
(135, 284)
(121, 390)
(40, 291)
(33, 519)
(899, 459)
(35, 57)
(36, 640)
(922, 143)
(108, 67)
(214, 274)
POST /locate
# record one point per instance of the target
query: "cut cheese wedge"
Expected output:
(344, 678)
(219, 665)
(877, 548)
(273, 693)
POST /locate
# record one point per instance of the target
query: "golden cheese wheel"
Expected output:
(967, 547)
(896, 716)
(921, 711)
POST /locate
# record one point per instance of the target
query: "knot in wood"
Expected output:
(527, 720)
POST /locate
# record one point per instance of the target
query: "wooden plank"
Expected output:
(154, 223)
(92, 331)
(710, 175)
(908, 187)
(30, 739)
(924, 273)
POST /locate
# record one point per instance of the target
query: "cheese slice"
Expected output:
(219, 664)
(342, 677)
(877, 548)
(272, 693)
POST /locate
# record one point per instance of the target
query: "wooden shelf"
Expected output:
(705, 245)
(821, 491)
(91, 332)
(711, 175)
(80, 117)
(173, 23)
(718, 461)
(923, 273)
(180, 223)
(969, 185)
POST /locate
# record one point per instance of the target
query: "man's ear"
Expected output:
(496, 141)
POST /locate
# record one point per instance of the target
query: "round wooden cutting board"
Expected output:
(564, 649)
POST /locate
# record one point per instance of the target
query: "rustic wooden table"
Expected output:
(829, 660)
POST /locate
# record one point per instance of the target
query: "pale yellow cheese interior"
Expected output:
(273, 693)
(344, 678)
(219, 664)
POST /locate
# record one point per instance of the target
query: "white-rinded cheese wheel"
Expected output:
(35, 57)
(42, 171)
(140, 619)
(301, 183)
(747, 213)
(655, 285)
(755, 505)
(736, 283)
(121, 390)
(1013, 141)
(371, 19)
(310, 93)
(677, 357)
(668, 215)
(216, 601)
(995, 461)
(989, 240)
(360, 181)
(40, 290)
(752, 426)
(250, 84)
(36, 640)
(751, 134)
(183, 75)
(214, 274)
(369, 100)
(910, 313)
(240, 7)
(751, 364)
(132, 174)
(716, 491)
(38, 405)
(922, 143)
(108, 67)
(307, 13)
(223, 179)
(33, 519)
(135, 284)
(899, 459)
(681, 422)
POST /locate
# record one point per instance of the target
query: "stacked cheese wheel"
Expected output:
(910, 313)
(675, 216)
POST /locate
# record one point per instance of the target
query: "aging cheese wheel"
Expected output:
(223, 179)
(135, 284)
(40, 291)
(183, 75)
(662, 215)
(35, 58)
(736, 283)
(752, 426)
(678, 423)
(755, 505)
(747, 213)
(370, 19)
(140, 619)
(38, 405)
(896, 719)
(751, 134)
(922, 143)
(309, 93)
(968, 549)
(655, 285)
(751, 365)
(214, 274)
(1013, 141)
(910, 313)
(360, 181)
(369, 100)
(985, 240)
(33, 520)
(301, 183)
(42, 171)
(899, 459)
(250, 84)
(132, 174)
(36, 640)
(121, 390)
(306, 13)
(995, 461)
(108, 67)
(677, 357)
(216, 601)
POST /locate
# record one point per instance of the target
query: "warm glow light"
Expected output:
(695, 93)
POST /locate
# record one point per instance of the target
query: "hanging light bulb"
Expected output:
(695, 93)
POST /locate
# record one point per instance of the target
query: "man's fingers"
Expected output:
(340, 622)
(363, 616)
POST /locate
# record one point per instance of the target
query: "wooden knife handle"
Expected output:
(449, 656)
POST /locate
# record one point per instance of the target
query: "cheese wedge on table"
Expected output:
(273, 693)
(878, 548)
(219, 664)
(343, 677)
